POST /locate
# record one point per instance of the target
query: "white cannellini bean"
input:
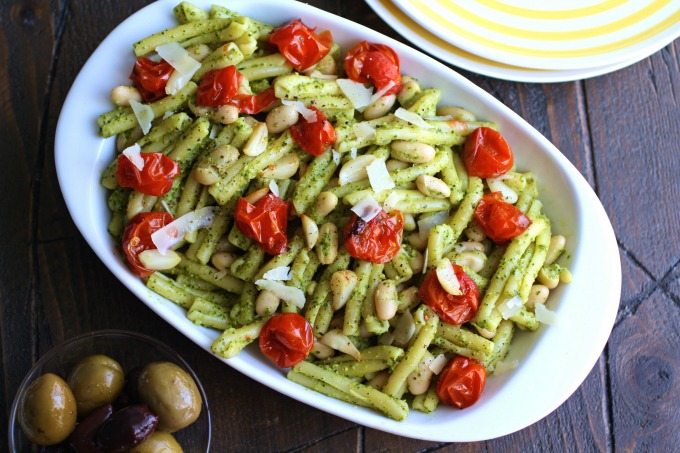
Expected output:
(207, 172)
(257, 142)
(413, 152)
(409, 88)
(379, 380)
(321, 351)
(419, 380)
(380, 107)
(433, 187)
(311, 230)
(283, 168)
(122, 95)
(153, 260)
(255, 196)
(222, 260)
(408, 298)
(417, 262)
(537, 295)
(457, 113)
(224, 114)
(385, 299)
(474, 231)
(281, 118)
(342, 284)
(223, 245)
(548, 277)
(325, 203)
(266, 303)
(409, 222)
(394, 164)
(355, 169)
(555, 249)
(417, 241)
(467, 246)
(474, 259)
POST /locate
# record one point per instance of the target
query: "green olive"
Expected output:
(48, 413)
(96, 380)
(157, 442)
(171, 394)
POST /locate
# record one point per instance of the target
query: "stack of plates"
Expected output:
(535, 40)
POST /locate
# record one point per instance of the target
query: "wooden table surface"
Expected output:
(621, 130)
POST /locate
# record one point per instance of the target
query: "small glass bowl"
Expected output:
(131, 350)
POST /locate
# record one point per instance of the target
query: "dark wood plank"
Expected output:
(645, 364)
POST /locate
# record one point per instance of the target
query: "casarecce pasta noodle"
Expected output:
(376, 243)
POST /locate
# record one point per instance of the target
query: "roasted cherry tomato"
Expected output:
(300, 45)
(286, 339)
(137, 238)
(486, 153)
(314, 137)
(461, 382)
(265, 221)
(253, 104)
(377, 240)
(500, 221)
(150, 78)
(155, 178)
(218, 86)
(374, 63)
(452, 309)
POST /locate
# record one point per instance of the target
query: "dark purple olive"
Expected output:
(132, 385)
(62, 447)
(83, 437)
(126, 428)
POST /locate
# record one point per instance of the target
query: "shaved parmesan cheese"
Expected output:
(412, 118)
(509, 308)
(214, 130)
(287, 293)
(378, 94)
(133, 154)
(356, 92)
(427, 223)
(274, 188)
(353, 153)
(363, 130)
(544, 315)
(166, 206)
(355, 169)
(447, 277)
(438, 364)
(281, 273)
(392, 201)
(178, 58)
(308, 114)
(144, 115)
(497, 185)
(172, 233)
(378, 176)
(426, 257)
(168, 114)
(367, 208)
(336, 157)
(340, 342)
(504, 367)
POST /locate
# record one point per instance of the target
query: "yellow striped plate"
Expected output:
(554, 34)
(443, 50)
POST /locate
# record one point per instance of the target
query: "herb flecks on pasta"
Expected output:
(309, 188)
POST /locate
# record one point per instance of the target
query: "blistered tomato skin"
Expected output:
(266, 222)
(137, 238)
(155, 178)
(150, 78)
(374, 63)
(286, 339)
(461, 382)
(299, 44)
(377, 240)
(450, 308)
(126, 428)
(314, 137)
(486, 154)
(501, 221)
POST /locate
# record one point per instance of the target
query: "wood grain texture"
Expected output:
(621, 131)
